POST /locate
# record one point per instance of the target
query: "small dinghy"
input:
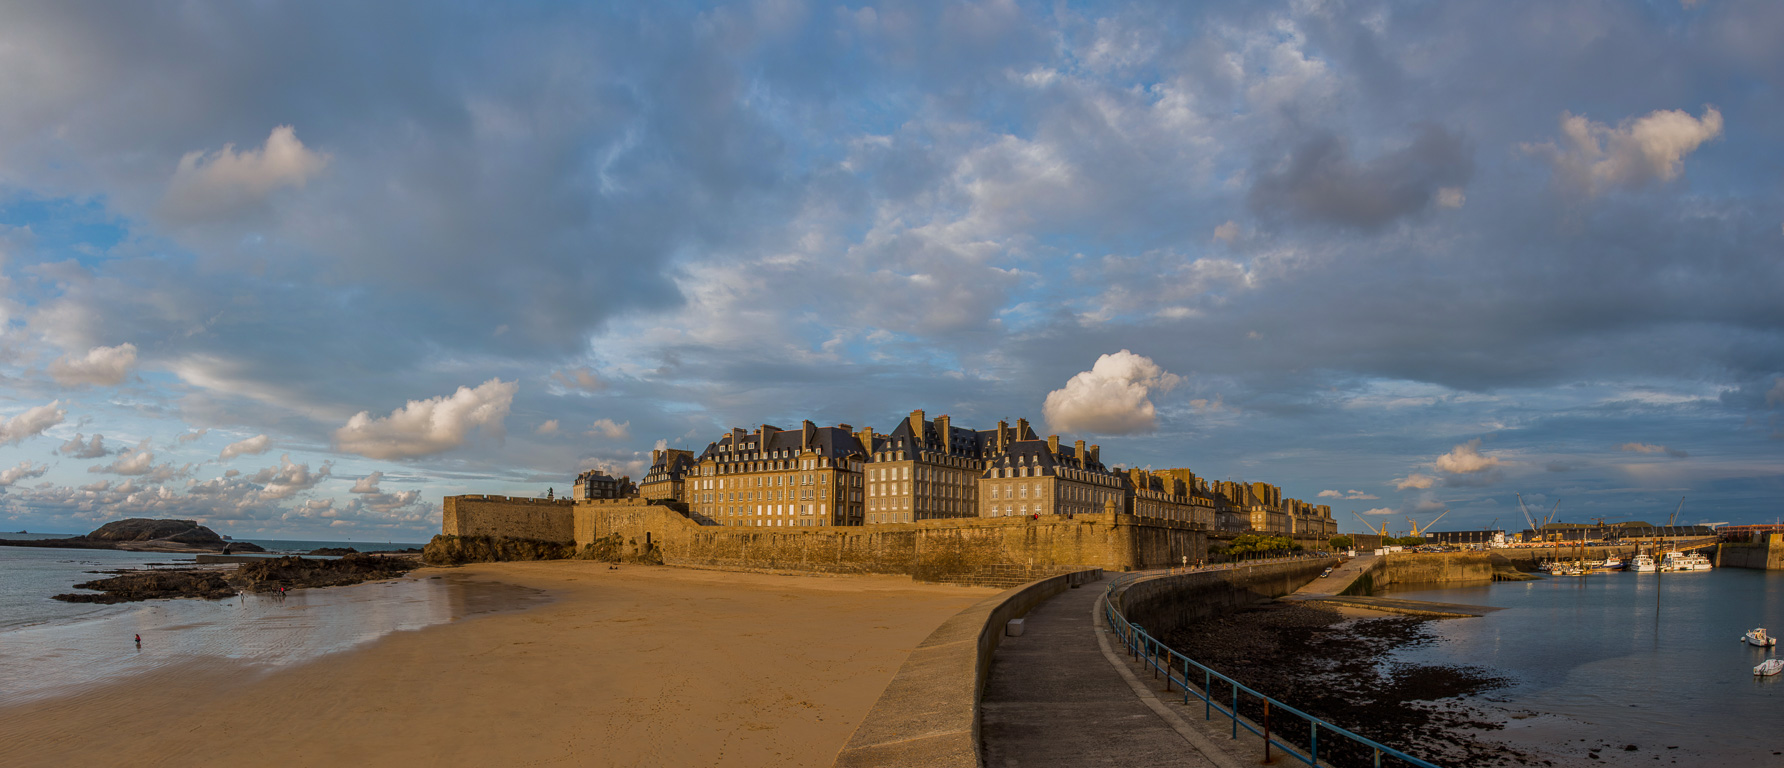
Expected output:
(1769, 667)
(1760, 638)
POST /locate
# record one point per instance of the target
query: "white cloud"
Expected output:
(607, 429)
(101, 366)
(24, 471)
(548, 428)
(1331, 494)
(1594, 157)
(32, 422)
(430, 426)
(1227, 232)
(1113, 397)
(90, 449)
(255, 445)
(1467, 459)
(367, 484)
(289, 477)
(191, 436)
(1353, 494)
(1414, 480)
(221, 182)
(584, 379)
(1451, 197)
(1379, 511)
(130, 461)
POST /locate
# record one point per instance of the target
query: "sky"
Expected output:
(301, 270)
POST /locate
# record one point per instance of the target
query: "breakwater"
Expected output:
(1168, 602)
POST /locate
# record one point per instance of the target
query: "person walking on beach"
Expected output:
(139, 642)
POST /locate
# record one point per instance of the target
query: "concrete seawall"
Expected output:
(1765, 555)
(1164, 603)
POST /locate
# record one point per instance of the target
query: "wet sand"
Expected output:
(644, 666)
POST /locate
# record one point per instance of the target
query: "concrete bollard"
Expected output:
(1013, 628)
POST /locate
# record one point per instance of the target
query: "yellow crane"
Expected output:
(1427, 528)
(1366, 524)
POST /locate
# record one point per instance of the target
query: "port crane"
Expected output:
(1427, 528)
(1536, 529)
(1371, 527)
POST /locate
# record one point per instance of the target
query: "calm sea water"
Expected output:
(1653, 660)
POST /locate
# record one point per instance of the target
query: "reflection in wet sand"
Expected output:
(261, 631)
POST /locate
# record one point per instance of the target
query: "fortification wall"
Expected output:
(1435, 568)
(936, 550)
(508, 517)
(1167, 603)
(1766, 555)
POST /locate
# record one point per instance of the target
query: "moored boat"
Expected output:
(1643, 564)
(1679, 561)
(1769, 667)
(1759, 637)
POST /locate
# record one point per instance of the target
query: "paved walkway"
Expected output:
(1053, 699)
(1342, 577)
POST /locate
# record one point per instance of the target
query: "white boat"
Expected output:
(1759, 637)
(1679, 561)
(1612, 563)
(1769, 667)
(1642, 564)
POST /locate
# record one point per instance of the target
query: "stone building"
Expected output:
(595, 484)
(1310, 519)
(929, 470)
(668, 472)
(773, 477)
(1153, 494)
(1038, 477)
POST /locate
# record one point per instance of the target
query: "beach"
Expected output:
(641, 666)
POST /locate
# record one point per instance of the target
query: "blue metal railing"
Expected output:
(1148, 650)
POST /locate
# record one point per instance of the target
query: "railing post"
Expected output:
(1377, 756)
(1207, 695)
(1313, 739)
(1235, 710)
(1266, 730)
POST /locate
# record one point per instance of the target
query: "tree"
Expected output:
(1341, 542)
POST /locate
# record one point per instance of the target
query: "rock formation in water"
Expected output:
(145, 534)
(267, 575)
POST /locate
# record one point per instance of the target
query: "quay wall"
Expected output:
(508, 517)
(1435, 568)
(1166, 603)
(1764, 555)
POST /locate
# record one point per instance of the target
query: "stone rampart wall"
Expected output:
(1164, 604)
(1766, 555)
(508, 517)
(934, 550)
(1434, 568)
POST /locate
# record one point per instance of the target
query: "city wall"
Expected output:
(508, 517)
(1166, 603)
(1764, 555)
(935, 550)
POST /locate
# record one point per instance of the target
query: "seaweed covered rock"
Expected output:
(153, 585)
(294, 572)
(458, 550)
(334, 551)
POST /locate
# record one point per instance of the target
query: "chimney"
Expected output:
(1021, 429)
(1078, 452)
(656, 457)
(1095, 454)
(941, 427)
(866, 438)
(1053, 444)
(1002, 428)
(845, 427)
(917, 425)
(762, 438)
(737, 436)
(807, 431)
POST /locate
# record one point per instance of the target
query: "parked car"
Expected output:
(1326, 573)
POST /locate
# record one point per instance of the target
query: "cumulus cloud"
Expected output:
(1466, 459)
(1321, 181)
(435, 425)
(24, 471)
(1414, 480)
(367, 484)
(222, 182)
(1227, 232)
(255, 445)
(75, 448)
(289, 477)
(550, 427)
(1378, 511)
(32, 422)
(1353, 494)
(1677, 453)
(130, 461)
(607, 429)
(100, 366)
(1113, 397)
(1591, 158)
(584, 379)
(191, 436)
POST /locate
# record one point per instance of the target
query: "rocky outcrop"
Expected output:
(145, 529)
(153, 585)
(268, 575)
(459, 550)
(334, 551)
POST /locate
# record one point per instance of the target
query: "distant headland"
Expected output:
(141, 534)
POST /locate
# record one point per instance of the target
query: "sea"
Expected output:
(1605, 662)
(50, 648)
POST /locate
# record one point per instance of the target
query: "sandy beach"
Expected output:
(644, 666)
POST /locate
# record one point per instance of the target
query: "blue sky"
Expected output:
(310, 267)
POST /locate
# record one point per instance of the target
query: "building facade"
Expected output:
(668, 472)
(1039, 477)
(930, 470)
(776, 477)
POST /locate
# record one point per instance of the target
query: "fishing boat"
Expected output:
(1759, 637)
(1612, 563)
(1643, 564)
(1679, 561)
(1769, 667)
